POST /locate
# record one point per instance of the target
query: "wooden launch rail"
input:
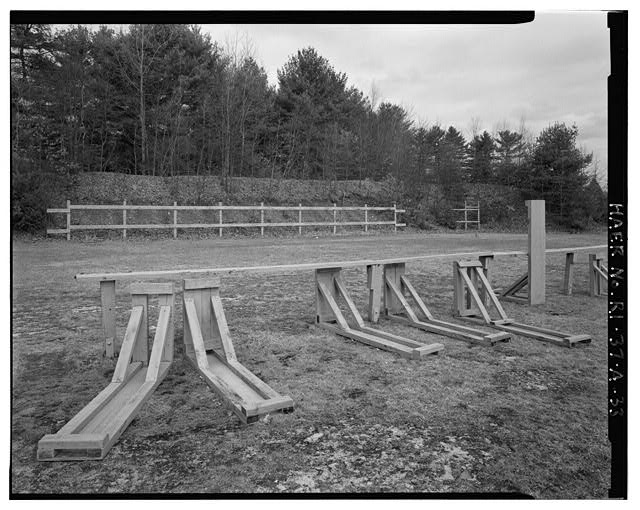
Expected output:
(108, 280)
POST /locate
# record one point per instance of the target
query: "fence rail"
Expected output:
(175, 226)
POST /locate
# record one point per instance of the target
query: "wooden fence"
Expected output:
(467, 209)
(175, 226)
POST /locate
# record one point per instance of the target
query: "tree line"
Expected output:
(166, 100)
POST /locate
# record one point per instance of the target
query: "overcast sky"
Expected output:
(553, 69)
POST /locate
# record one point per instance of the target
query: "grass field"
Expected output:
(523, 417)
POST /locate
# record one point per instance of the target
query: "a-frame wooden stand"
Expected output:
(91, 433)
(329, 287)
(398, 309)
(467, 276)
(209, 348)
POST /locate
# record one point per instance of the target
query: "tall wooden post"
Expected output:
(175, 220)
(568, 273)
(299, 219)
(108, 300)
(366, 218)
(334, 218)
(262, 218)
(395, 217)
(220, 218)
(68, 220)
(537, 245)
(124, 219)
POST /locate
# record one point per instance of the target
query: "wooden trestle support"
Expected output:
(398, 309)
(209, 348)
(91, 433)
(468, 279)
(329, 288)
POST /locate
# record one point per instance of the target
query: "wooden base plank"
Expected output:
(479, 337)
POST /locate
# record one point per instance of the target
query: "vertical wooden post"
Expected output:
(299, 219)
(366, 218)
(68, 220)
(220, 219)
(394, 273)
(395, 217)
(175, 220)
(374, 284)
(484, 260)
(593, 276)
(124, 220)
(458, 292)
(262, 218)
(465, 215)
(478, 215)
(537, 243)
(568, 273)
(108, 300)
(334, 218)
(141, 349)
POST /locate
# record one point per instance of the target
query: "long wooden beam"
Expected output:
(177, 273)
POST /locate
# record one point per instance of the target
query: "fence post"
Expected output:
(395, 218)
(478, 215)
(465, 215)
(175, 220)
(68, 220)
(262, 218)
(366, 218)
(220, 219)
(299, 219)
(124, 220)
(334, 218)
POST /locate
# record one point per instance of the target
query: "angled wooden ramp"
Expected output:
(91, 433)
(329, 287)
(209, 348)
(467, 277)
(397, 308)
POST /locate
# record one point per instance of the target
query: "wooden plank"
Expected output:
(328, 297)
(197, 341)
(516, 286)
(57, 231)
(537, 240)
(567, 286)
(222, 326)
(108, 301)
(151, 289)
(374, 284)
(58, 211)
(159, 341)
(416, 297)
(440, 330)
(394, 338)
(492, 295)
(174, 273)
(168, 300)
(252, 380)
(350, 304)
(141, 347)
(201, 283)
(474, 294)
(118, 207)
(88, 412)
(459, 304)
(373, 341)
(398, 295)
(274, 404)
(392, 273)
(128, 344)
(74, 441)
(469, 263)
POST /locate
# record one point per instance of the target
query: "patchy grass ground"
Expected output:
(524, 416)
